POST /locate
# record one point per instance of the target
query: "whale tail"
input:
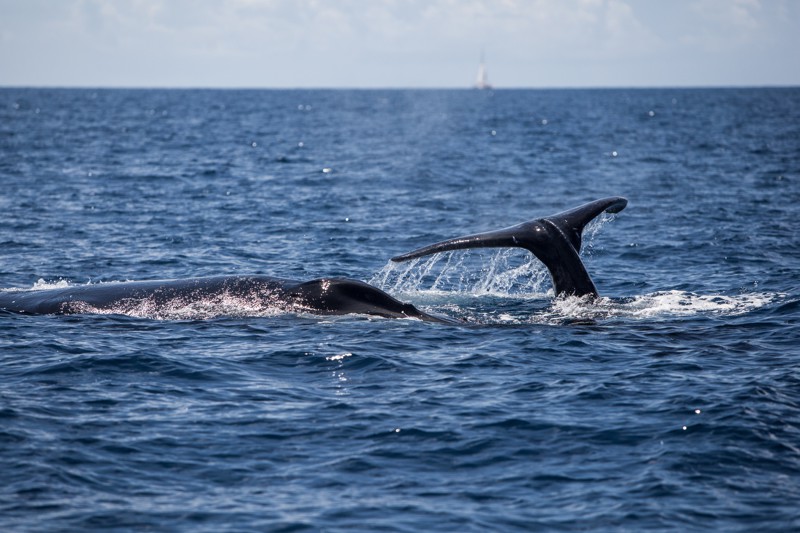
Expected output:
(554, 240)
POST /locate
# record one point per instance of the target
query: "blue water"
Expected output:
(671, 404)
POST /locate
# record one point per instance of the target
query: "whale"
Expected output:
(555, 240)
(322, 296)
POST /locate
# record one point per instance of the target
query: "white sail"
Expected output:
(483, 77)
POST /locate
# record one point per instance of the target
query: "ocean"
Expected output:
(672, 403)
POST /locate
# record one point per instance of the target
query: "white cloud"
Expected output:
(737, 15)
(724, 24)
(372, 42)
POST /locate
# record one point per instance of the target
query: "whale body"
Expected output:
(325, 296)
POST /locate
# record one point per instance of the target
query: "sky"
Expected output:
(399, 43)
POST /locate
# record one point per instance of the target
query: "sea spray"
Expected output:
(506, 272)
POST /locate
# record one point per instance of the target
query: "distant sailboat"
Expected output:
(483, 77)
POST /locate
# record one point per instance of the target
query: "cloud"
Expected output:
(376, 42)
(725, 24)
(734, 14)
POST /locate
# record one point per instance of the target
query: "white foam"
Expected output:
(225, 304)
(682, 303)
(338, 357)
(41, 284)
(668, 304)
(648, 307)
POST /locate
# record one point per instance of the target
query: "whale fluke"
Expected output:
(554, 240)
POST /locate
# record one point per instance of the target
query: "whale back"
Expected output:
(326, 296)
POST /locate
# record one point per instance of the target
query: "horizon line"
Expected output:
(394, 88)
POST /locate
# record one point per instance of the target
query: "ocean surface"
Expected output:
(670, 404)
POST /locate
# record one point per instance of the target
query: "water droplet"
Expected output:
(494, 132)
(614, 153)
(544, 122)
(253, 144)
(652, 113)
(300, 144)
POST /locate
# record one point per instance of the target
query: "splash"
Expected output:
(592, 230)
(442, 281)
(506, 273)
(185, 309)
(682, 303)
(42, 284)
